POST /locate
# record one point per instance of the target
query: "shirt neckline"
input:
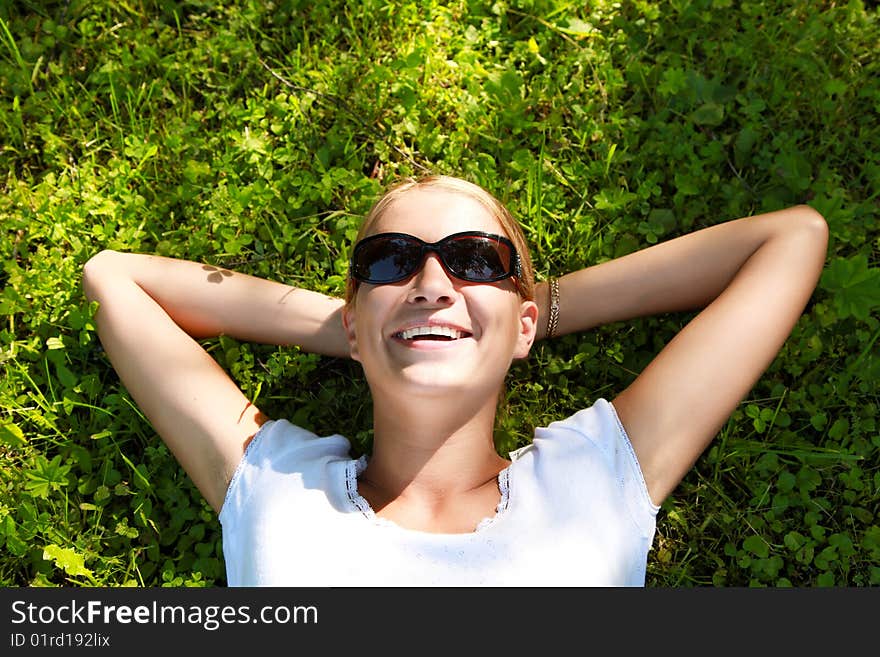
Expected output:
(355, 467)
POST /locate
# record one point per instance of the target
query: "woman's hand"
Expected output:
(151, 312)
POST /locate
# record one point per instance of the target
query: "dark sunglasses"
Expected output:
(471, 256)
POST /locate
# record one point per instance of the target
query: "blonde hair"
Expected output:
(525, 282)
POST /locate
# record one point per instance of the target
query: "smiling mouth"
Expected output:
(439, 333)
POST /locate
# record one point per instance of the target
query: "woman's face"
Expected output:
(479, 327)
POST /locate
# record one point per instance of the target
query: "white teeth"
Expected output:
(440, 331)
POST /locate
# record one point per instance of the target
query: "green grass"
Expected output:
(254, 135)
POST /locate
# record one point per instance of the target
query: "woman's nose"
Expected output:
(432, 284)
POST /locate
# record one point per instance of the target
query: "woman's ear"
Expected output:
(348, 324)
(528, 328)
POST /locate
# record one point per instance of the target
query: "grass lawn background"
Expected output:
(254, 135)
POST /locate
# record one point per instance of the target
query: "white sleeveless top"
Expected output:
(574, 511)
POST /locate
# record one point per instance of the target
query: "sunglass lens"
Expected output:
(386, 260)
(477, 258)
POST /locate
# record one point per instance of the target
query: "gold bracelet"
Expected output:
(553, 317)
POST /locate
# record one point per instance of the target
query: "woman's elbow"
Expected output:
(807, 233)
(811, 220)
(96, 270)
(806, 230)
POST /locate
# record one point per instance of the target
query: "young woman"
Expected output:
(441, 299)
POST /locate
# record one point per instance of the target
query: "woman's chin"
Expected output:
(440, 381)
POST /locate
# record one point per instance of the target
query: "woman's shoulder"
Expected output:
(593, 442)
(279, 455)
(589, 435)
(598, 423)
(280, 438)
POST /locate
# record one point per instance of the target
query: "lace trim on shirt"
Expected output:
(233, 481)
(504, 487)
(633, 459)
(354, 468)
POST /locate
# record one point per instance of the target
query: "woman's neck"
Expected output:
(431, 452)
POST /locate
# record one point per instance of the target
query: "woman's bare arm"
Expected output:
(752, 277)
(151, 312)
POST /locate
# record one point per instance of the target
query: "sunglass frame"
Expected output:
(514, 268)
